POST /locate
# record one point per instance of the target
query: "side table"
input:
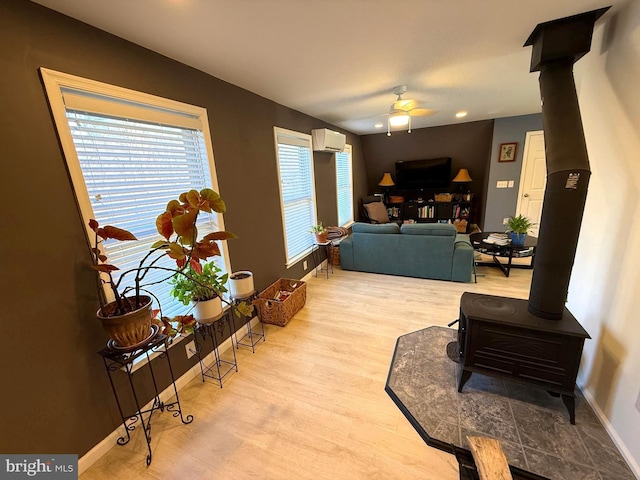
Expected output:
(206, 333)
(317, 259)
(123, 359)
(251, 338)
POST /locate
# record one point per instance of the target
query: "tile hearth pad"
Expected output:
(532, 426)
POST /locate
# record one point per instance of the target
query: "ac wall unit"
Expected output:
(325, 140)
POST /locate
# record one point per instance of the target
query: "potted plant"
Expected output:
(517, 227)
(241, 284)
(203, 288)
(127, 317)
(320, 232)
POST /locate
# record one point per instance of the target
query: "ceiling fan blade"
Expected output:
(421, 112)
(405, 105)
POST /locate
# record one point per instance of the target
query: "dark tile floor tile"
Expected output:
(603, 452)
(487, 413)
(482, 383)
(447, 432)
(557, 468)
(549, 431)
(432, 404)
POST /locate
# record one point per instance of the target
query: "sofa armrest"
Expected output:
(462, 266)
(346, 253)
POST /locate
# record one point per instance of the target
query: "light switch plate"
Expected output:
(501, 184)
(510, 185)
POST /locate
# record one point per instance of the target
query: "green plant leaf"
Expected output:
(159, 244)
(214, 200)
(185, 226)
(222, 235)
(175, 208)
(193, 198)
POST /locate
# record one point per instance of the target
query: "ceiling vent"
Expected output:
(325, 140)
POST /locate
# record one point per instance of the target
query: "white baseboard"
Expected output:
(633, 465)
(109, 442)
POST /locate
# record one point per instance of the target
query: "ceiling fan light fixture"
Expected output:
(399, 119)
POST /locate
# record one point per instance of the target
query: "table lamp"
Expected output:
(461, 178)
(386, 183)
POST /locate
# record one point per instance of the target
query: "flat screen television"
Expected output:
(428, 174)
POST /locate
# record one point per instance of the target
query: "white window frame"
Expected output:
(349, 150)
(194, 117)
(305, 139)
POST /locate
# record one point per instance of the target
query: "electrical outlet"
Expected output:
(190, 348)
(505, 220)
(304, 265)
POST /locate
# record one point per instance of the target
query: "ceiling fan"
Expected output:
(402, 110)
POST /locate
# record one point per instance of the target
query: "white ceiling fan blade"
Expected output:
(421, 112)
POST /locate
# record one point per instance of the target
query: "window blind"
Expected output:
(344, 184)
(132, 169)
(297, 193)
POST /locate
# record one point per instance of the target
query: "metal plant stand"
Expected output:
(252, 337)
(115, 359)
(206, 332)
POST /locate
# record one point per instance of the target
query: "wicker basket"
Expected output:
(443, 197)
(279, 312)
(335, 254)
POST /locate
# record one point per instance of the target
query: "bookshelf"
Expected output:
(456, 211)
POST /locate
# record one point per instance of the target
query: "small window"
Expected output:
(129, 154)
(344, 183)
(297, 192)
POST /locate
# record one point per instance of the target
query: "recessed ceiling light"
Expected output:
(378, 125)
(461, 114)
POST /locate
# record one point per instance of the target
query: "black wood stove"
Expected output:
(538, 342)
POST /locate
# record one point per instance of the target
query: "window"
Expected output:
(297, 192)
(128, 154)
(344, 184)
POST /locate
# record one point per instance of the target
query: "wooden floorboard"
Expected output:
(310, 402)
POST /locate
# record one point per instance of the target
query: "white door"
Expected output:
(533, 179)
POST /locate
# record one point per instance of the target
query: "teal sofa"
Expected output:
(423, 250)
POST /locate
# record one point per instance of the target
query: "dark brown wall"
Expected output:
(469, 145)
(55, 394)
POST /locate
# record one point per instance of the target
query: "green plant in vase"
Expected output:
(518, 227)
(320, 232)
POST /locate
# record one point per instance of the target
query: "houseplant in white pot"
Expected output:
(204, 289)
(127, 317)
(241, 284)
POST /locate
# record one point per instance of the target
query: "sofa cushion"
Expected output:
(375, 228)
(377, 212)
(433, 229)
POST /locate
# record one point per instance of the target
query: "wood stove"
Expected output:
(498, 337)
(538, 342)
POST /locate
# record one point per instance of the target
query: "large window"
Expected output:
(129, 154)
(297, 192)
(344, 184)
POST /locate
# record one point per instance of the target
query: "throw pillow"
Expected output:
(377, 212)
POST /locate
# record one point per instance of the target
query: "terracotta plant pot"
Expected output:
(241, 284)
(321, 237)
(128, 329)
(208, 310)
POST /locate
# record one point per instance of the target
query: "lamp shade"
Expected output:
(386, 181)
(462, 176)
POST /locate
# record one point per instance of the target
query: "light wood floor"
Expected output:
(310, 403)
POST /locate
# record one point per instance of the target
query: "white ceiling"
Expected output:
(338, 60)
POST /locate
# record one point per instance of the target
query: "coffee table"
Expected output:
(478, 243)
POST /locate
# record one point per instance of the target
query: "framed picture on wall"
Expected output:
(507, 152)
